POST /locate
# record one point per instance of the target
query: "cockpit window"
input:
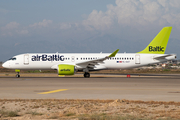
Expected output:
(12, 58)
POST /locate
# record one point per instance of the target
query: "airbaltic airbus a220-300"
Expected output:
(68, 64)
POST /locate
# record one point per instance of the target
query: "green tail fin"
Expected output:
(159, 43)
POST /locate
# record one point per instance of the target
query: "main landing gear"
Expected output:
(86, 75)
(17, 75)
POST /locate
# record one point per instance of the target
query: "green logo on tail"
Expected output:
(156, 49)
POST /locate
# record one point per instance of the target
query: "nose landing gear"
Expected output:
(17, 75)
(17, 71)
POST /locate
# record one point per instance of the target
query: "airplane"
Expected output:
(70, 63)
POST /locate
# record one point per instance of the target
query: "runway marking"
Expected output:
(53, 91)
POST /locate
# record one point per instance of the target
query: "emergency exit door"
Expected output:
(73, 59)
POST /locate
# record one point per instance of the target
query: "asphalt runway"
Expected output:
(146, 88)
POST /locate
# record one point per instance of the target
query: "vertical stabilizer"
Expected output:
(159, 43)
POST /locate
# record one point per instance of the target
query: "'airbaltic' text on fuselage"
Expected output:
(47, 58)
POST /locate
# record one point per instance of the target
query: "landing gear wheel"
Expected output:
(18, 75)
(86, 75)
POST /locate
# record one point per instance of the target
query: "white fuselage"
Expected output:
(42, 61)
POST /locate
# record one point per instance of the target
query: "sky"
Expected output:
(85, 26)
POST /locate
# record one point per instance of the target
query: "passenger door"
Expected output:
(137, 59)
(26, 59)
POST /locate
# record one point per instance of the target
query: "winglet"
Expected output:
(114, 53)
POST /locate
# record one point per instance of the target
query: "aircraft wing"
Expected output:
(91, 64)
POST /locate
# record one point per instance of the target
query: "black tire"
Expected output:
(17, 76)
(86, 75)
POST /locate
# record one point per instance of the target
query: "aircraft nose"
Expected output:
(5, 65)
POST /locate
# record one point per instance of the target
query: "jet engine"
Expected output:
(65, 69)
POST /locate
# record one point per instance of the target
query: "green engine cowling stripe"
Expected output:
(66, 69)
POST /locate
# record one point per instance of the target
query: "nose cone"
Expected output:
(5, 65)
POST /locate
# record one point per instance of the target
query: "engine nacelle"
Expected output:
(65, 69)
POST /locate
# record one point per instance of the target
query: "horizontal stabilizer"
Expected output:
(164, 57)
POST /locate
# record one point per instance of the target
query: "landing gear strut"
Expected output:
(86, 75)
(17, 75)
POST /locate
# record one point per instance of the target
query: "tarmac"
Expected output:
(145, 87)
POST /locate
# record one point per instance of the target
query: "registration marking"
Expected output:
(53, 91)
